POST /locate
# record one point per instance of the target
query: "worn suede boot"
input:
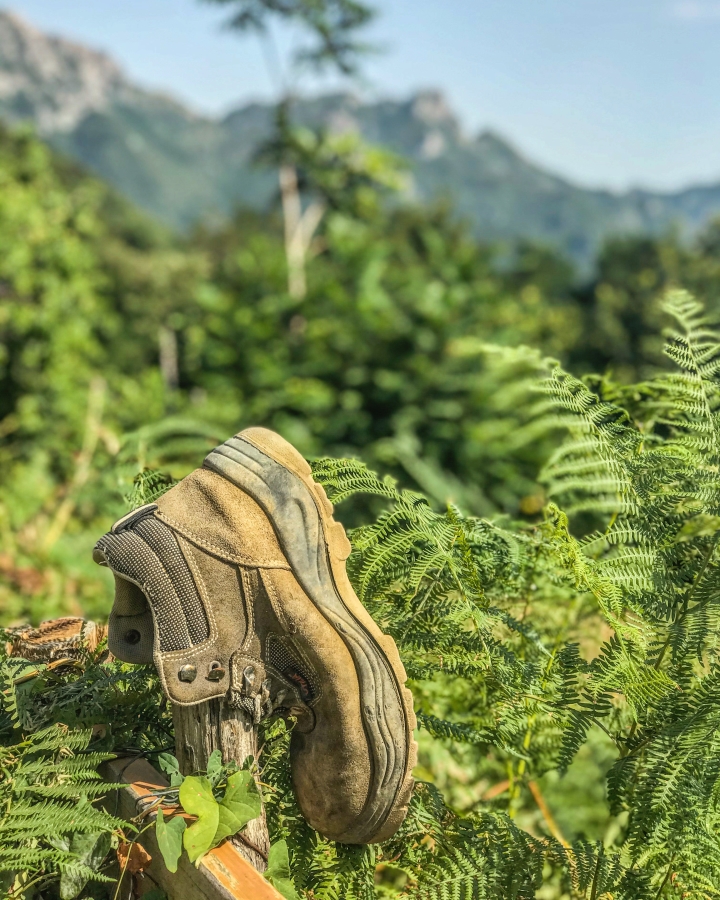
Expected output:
(234, 584)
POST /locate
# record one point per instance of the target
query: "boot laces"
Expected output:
(260, 704)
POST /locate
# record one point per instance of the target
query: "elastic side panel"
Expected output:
(164, 544)
(280, 655)
(129, 555)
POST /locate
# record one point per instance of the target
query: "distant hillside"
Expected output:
(180, 166)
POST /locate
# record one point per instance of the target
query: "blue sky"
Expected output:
(614, 93)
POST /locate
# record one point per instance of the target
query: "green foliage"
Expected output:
(81, 696)
(342, 171)
(147, 486)
(90, 851)
(654, 574)
(622, 320)
(197, 798)
(331, 24)
(88, 289)
(49, 827)
(446, 587)
(169, 836)
(278, 871)
(222, 802)
(173, 347)
(239, 805)
(387, 355)
(487, 616)
(57, 724)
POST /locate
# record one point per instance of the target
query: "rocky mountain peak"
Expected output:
(51, 81)
(440, 126)
(432, 109)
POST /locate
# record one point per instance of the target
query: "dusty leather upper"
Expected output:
(219, 533)
(236, 579)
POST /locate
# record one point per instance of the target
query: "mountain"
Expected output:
(180, 166)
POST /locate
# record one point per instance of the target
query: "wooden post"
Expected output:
(213, 725)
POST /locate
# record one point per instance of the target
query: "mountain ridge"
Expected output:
(180, 165)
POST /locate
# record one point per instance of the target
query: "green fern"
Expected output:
(522, 642)
(653, 470)
(51, 825)
(147, 486)
(485, 615)
(47, 782)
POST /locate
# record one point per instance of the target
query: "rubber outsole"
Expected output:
(383, 819)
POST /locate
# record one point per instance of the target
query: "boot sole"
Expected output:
(279, 479)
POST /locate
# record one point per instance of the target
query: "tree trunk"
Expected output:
(292, 213)
(169, 367)
(299, 230)
(213, 725)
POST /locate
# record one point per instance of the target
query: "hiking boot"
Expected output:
(234, 584)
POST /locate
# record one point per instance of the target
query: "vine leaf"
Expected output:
(197, 799)
(215, 821)
(278, 871)
(171, 767)
(240, 804)
(170, 839)
(214, 767)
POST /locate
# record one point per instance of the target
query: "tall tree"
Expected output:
(331, 27)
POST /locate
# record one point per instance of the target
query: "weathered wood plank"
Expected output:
(223, 874)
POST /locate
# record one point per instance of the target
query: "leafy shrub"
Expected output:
(57, 724)
(492, 621)
(49, 826)
(467, 601)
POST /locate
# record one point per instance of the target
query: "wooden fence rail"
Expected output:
(223, 874)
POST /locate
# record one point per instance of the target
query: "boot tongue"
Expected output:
(148, 556)
(159, 614)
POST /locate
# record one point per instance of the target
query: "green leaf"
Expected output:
(278, 871)
(214, 766)
(197, 799)
(168, 763)
(90, 850)
(171, 767)
(71, 883)
(240, 804)
(170, 839)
